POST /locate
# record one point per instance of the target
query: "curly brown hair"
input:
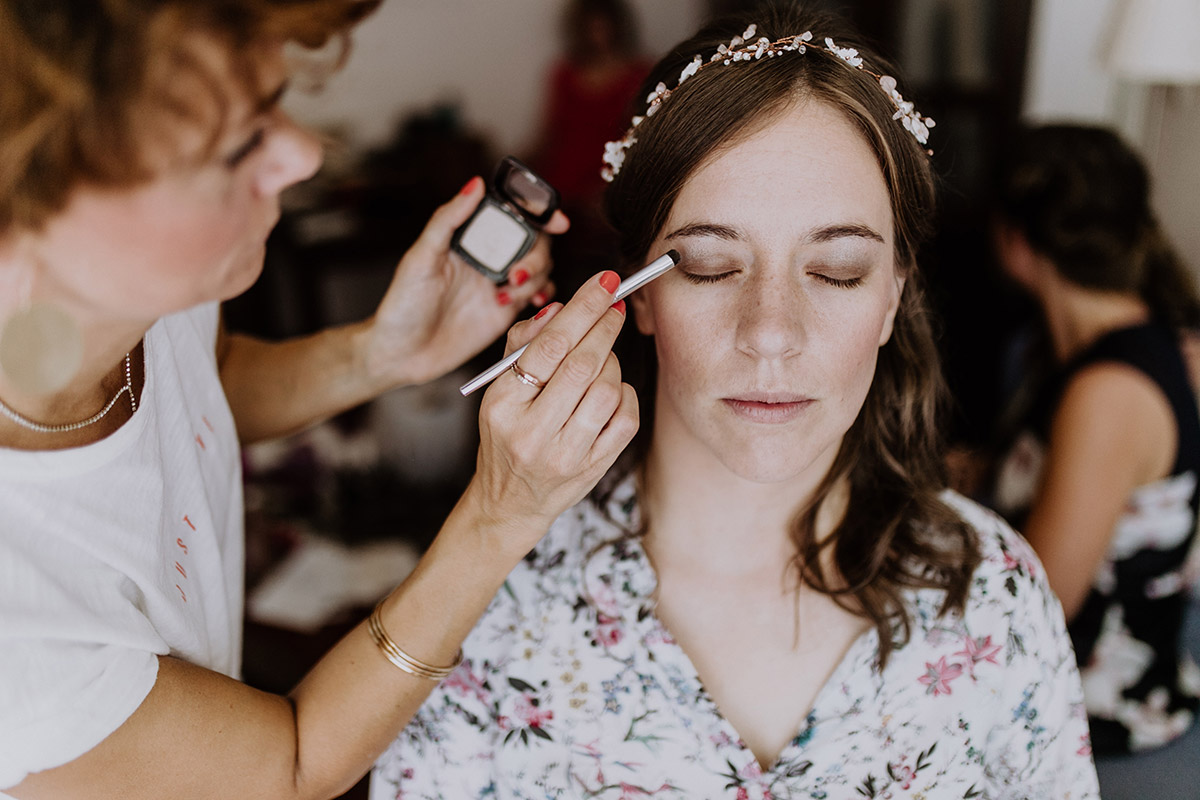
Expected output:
(87, 84)
(896, 533)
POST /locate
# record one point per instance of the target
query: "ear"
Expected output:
(642, 313)
(16, 273)
(893, 306)
(1016, 255)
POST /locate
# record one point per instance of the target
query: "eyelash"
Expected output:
(702, 279)
(246, 149)
(841, 283)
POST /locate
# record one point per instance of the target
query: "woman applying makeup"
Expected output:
(774, 596)
(142, 154)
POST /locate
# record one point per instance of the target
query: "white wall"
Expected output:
(489, 56)
(1067, 80)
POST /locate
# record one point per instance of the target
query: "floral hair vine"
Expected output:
(742, 49)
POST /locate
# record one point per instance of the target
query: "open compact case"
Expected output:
(506, 223)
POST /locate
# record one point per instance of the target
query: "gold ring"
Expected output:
(527, 379)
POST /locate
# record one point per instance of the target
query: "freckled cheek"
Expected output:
(857, 359)
(687, 335)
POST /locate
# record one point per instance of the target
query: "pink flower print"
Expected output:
(904, 773)
(466, 682)
(751, 771)
(608, 630)
(976, 650)
(742, 794)
(1020, 556)
(938, 676)
(531, 715)
(721, 739)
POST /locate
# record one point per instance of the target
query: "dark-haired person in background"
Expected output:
(1102, 479)
(587, 100)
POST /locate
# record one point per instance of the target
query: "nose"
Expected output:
(293, 155)
(771, 319)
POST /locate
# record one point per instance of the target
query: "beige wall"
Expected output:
(1067, 81)
(489, 56)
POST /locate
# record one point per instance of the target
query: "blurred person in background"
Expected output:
(587, 102)
(1101, 475)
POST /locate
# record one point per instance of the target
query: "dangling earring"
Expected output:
(41, 349)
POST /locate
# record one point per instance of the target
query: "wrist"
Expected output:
(495, 531)
(379, 360)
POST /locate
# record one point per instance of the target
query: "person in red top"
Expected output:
(588, 97)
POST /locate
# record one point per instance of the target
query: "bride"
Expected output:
(776, 597)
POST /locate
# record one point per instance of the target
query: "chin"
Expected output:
(242, 277)
(768, 465)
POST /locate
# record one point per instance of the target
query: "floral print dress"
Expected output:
(1141, 687)
(571, 687)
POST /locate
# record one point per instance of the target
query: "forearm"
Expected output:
(278, 388)
(200, 734)
(355, 702)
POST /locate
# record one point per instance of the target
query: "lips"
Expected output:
(768, 407)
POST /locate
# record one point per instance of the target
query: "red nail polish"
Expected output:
(539, 298)
(610, 281)
(619, 306)
(519, 277)
(542, 313)
(503, 298)
(468, 186)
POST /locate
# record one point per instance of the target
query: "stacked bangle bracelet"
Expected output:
(401, 659)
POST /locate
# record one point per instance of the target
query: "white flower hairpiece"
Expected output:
(742, 48)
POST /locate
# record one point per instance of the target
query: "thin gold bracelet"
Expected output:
(401, 659)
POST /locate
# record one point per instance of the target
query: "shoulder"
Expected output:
(1009, 576)
(1111, 408)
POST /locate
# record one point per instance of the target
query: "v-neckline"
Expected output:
(665, 650)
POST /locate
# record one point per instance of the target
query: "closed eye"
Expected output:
(246, 149)
(841, 283)
(699, 278)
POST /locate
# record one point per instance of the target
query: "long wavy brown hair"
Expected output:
(85, 86)
(896, 534)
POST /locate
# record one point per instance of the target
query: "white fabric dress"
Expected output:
(118, 552)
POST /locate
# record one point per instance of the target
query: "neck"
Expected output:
(1077, 317)
(100, 376)
(703, 516)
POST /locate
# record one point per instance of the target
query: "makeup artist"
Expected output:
(142, 153)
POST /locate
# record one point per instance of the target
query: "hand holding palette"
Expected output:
(505, 224)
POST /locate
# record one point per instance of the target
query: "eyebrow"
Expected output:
(827, 233)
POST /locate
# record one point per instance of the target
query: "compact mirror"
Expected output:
(505, 224)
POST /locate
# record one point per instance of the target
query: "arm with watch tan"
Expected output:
(199, 734)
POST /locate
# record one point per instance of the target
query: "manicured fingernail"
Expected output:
(610, 281)
(469, 186)
(542, 313)
(519, 277)
(619, 306)
(503, 298)
(539, 299)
